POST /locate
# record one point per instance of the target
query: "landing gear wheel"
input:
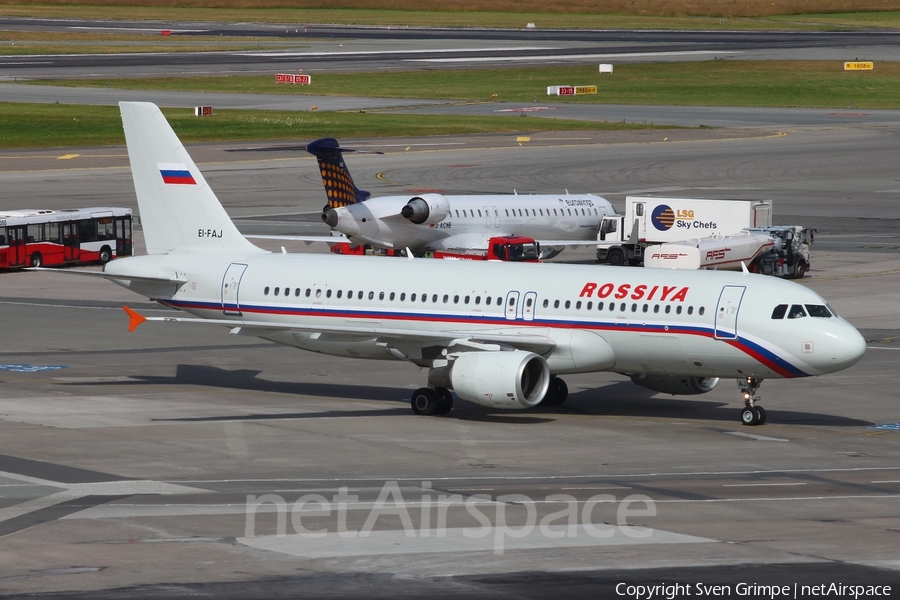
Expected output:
(615, 257)
(760, 415)
(445, 401)
(557, 392)
(749, 416)
(425, 402)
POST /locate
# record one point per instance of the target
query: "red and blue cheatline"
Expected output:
(177, 173)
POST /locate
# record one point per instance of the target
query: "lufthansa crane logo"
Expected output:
(663, 217)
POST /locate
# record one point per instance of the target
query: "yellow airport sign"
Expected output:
(859, 66)
(585, 89)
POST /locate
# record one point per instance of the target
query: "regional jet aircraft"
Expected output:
(497, 334)
(436, 222)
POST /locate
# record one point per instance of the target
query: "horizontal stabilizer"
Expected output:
(111, 276)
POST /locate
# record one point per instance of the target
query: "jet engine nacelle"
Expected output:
(683, 385)
(426, 209)
(510, 380)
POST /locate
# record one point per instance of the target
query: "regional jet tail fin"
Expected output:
(339, 186)
(179, 211)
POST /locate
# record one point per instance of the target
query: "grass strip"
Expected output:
(671, 14)
(48, 125)
(822, 84)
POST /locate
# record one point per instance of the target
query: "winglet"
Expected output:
(744, 268)
(134, 319)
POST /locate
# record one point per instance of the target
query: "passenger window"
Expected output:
(568, 303)
(499, 300)
(434, 298)
(466, 300)
(359, 295)
(266, 291)
(308, 292)
(328, 294)
(796, 312)
(340, 293)
(446, 297)
(578, 305)
(371, 295)
(646, 307)
(701, 311)
(297, 292)
(402, 297)
(277, 290)
(546, 303)
(556, 304)
(528, 303)
(779, 311)
(456, 299)
(599, 306)
(690, 310)
(678, 310)
(622, 307)
(668, 308)
(477, 299)
(318, 293)
(391, 297)
(507, 212)
(817, 310)
(412, 298)
(487, 300)
(634, 307)
(590, 305)
(381, 295)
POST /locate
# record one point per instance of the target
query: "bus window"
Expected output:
(105, 229)
(87, 231)
(53, 233)
(35, 233)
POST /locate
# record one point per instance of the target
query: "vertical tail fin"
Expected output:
(179, 211)
(339, 186)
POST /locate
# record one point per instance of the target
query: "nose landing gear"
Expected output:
(752, 413)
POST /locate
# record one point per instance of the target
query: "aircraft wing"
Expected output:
(567, 242)
(309, 239)
(480, 341)
(113, 276)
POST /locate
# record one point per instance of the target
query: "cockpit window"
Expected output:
(779, 311)
(817, 310)
(796, 312)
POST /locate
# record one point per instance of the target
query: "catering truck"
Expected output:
(651, 221)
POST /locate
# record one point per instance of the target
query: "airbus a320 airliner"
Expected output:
(497, 334)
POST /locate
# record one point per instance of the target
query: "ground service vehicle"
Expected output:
(789, 258)
(508, 248)
(648, 221)
(69, 236)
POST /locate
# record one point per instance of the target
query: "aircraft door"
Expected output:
(528, 305)
(487, 217)
(512, 305)
(727, 312)
(231, 284)
(15, 237)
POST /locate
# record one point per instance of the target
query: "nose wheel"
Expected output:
(752, 413)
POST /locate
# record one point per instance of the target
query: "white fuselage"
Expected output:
(471, 221)
(708, 324)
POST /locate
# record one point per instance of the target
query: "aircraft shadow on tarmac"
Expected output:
(618, 399)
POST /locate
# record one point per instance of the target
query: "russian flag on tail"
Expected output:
(177, 173)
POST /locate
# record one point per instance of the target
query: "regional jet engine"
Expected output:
(426, 209)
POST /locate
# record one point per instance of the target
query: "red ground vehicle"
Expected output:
(508, 248)
(64, 237)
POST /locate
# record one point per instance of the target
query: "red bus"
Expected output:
(63, 237)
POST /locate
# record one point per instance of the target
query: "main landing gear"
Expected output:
(427, 401)
(752, 413)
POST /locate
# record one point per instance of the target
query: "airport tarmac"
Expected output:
(165, 462)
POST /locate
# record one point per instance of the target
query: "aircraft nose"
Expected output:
(847, 348)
